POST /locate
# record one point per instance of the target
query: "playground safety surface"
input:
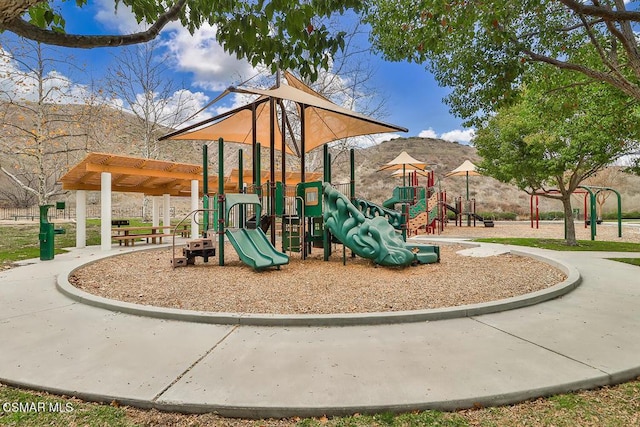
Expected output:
(313, 286)
(587, 338)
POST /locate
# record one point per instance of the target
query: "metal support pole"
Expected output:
(221, 212)
(205, 187)
(352, 178)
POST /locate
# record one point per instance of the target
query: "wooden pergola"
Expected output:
(135, 175)
(108, 173)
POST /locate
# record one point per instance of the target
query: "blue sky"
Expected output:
(412, 98)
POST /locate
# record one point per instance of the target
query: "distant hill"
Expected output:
(112, 131)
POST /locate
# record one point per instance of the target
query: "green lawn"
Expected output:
(560, 245)
(20, 241)
(608, 406)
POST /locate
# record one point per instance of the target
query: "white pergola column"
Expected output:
(105, 211)
(166, 211)
(155, 211)
(194, 205)
(81, 219)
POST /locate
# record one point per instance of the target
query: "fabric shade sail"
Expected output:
(465, 169)
(404, 161)
(237, 127)
(323, 121)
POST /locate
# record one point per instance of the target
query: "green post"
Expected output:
(205, 187)
(327, 163)
(240, 185)
(257, 172)
(352, 167)
(221, 218)
(619, 212)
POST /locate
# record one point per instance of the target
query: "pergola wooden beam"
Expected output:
(147, 173)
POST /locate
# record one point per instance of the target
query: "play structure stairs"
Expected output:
(195, 248)
(419, 217)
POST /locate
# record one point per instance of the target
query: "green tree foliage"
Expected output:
(485, 50)
(278, 33)
(553, 139)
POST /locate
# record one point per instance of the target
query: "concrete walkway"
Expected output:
(587, 338)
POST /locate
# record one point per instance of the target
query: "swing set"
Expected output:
(590, 200)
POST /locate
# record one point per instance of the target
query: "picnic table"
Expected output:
(128, 235)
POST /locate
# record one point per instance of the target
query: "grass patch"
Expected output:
(632, 261)
(24, 408)
(20, 242)
(606, 406)
(560, 244)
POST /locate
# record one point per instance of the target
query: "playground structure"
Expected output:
(590, 202)
(425, 208)
(310, 215)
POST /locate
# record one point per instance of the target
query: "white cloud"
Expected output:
(457, 135)
(429, 133)
(200, 54)
(122, 20)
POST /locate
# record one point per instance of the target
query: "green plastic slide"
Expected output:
(375, 238)
(254, 249)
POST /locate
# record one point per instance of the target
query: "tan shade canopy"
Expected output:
(238, 128)
(324, 121)
(404, 162)
(466, 168)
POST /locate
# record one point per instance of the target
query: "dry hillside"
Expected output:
(116, 132)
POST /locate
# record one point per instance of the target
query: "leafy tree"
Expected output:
(279, 33)
(555, 139)
(486, 49)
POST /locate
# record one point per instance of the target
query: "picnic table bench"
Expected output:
(155, 234)
(129, 235)
(15, 217)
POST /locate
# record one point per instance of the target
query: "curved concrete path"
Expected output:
(587, 338)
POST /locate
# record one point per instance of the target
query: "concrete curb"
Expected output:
(263, 412)
(352, 319)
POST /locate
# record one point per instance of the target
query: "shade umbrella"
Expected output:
(404, 162)
(465, 169)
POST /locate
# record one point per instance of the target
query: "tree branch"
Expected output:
(602, 12)
(29, 31)
(15, 8)
(18, 181)
(622, 84)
